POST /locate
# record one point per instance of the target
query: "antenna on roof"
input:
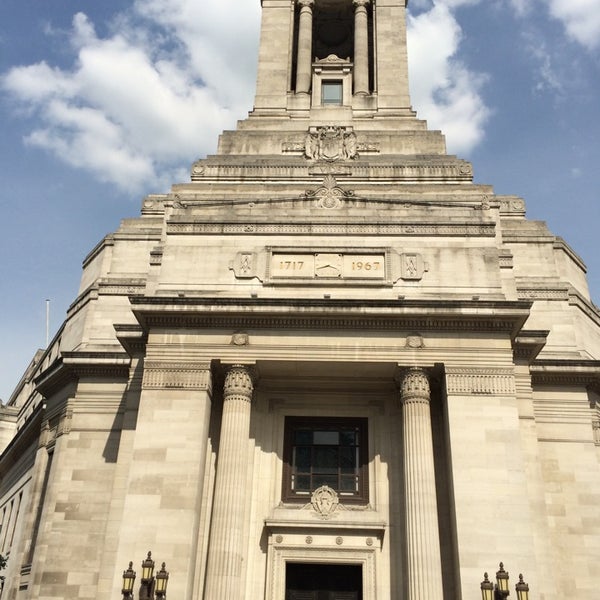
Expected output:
(47, 321)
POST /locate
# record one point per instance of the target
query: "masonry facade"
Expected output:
(330, 365)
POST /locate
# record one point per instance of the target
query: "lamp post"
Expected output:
(501, 590)
(152, 587)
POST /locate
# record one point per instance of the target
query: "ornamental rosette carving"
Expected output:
(239, 382)
(415, 385)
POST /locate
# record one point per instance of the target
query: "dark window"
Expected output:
(331, 93)
(325, 451)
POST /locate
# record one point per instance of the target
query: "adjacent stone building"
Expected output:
(329, 366)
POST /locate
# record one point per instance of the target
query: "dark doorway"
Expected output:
(313, 581)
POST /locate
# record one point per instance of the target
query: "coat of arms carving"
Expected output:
(330, 143)
(325, 501)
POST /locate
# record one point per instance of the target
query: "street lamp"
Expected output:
(487, 588)
(500, 591)
(152, 587)
(162, 577)
(128, 581)
(522, 589)
(502, 581)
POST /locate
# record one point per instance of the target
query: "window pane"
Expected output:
(301, 483)
(302, 458)
(330, 480)
(325, 460)
(328, 438)
(348, 459)
(348, 437)
(331, 92)
(348, 484)
(303, 437)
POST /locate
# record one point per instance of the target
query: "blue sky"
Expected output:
(102, 102)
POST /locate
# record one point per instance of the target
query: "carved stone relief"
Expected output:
(325, 501)
(499, 382)
(330, 143)
(159, 375)
(329, 195)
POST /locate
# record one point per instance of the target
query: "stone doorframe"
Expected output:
(306, 543)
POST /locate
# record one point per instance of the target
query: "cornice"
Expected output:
(528, 344)
(26, 436)
(284, 313)
(132, 337)
(576, 373)
(73, 365)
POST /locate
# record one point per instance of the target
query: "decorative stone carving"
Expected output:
(415, 386)
(329, 195)
(330, 143)
(596, 430)
(239, 383)
(325, 501)
(239, 338)
(412, 266)
(198, 169)
(498, 382)
(244, 265)
(160, 375)
(275, 228)
(414, 341)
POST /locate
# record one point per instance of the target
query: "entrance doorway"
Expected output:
(317, 581)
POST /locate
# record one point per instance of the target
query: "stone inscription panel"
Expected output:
(325, 265)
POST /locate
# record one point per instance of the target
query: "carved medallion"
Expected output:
(325, 501)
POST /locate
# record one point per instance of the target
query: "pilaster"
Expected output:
(162, 489)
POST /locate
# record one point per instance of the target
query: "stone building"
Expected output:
(329, 366)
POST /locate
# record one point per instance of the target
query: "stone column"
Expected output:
(226, 552)
(361, 47)
(304, 58)
(423, 544)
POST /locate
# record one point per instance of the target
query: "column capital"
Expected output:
(305, 3)
(414, 385)
(239, 382)
(360, 3)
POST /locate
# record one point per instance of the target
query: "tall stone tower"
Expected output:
(330, 366)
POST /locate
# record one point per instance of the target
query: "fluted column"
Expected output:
(361, 47)
(304, 58)
(226, 552)
(423, 543)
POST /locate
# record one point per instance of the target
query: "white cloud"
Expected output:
(581, 19)
(137, 105)
(443, 89)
